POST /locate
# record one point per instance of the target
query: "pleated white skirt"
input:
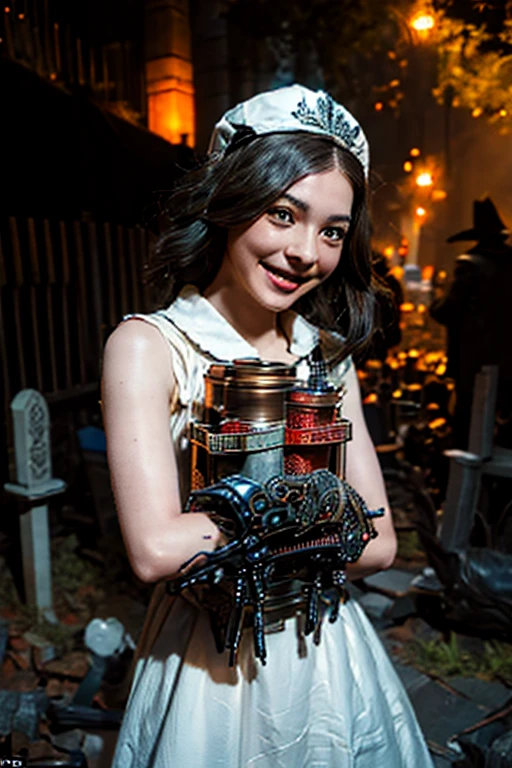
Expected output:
(336, 705)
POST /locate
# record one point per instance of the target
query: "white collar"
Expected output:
(210, 331)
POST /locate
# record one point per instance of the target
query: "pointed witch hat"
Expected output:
(486, 223)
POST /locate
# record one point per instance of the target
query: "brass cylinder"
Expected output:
(248, 390)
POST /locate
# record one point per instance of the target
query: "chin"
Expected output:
(277, 303)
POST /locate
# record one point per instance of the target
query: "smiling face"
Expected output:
(292, 247)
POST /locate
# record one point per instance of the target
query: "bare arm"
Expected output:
(138, 383)
(364, 474)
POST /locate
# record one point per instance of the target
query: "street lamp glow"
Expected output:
(424, 179)
(423, 22)
(420, 212)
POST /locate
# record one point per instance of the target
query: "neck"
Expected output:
(251, 320)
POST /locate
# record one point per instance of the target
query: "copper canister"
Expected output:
(245, 418)
(315, 433)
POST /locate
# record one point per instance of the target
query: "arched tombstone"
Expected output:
(35, 484)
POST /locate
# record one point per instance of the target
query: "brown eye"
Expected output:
(282, 215)
(334, 234)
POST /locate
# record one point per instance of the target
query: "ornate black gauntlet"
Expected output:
(305, 528)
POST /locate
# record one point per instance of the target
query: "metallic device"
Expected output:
(267, 466)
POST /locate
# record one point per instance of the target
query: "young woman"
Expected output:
(266, 255)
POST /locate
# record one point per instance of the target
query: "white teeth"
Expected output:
(290, 278)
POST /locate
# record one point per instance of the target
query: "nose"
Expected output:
(301, 251)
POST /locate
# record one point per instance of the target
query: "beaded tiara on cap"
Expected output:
(293, 108)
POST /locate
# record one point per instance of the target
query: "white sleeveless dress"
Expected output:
(336, 705)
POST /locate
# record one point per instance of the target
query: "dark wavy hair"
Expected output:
(237, 189)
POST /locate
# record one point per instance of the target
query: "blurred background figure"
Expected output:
(476, 311)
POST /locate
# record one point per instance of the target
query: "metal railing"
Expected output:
(63, 287)
(33, 34)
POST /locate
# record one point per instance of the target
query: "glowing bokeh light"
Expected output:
(423, 22)
(424, 179)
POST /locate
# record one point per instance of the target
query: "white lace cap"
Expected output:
(293, 108)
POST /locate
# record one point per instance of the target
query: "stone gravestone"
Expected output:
(34, 485)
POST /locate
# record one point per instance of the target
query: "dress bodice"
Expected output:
(199, 335)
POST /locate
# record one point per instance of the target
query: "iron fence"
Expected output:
(63, 287)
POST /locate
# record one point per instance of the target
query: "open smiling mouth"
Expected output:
(284, 280)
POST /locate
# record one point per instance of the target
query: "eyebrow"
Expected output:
(342, 217)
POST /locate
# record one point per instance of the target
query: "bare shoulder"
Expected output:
(136, 353)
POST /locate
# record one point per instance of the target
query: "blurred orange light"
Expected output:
(420, 211)
(432, 407)
(21, 16)
(7, 9)
(407, 306)
(437, 423)
(422, 309)
(441, 274)
(424, 179)
(427, 273)
(439, 194)
(441, 369)
(415, 152)
(394, 84)
(503, 112)
(397, 272)
(371, 398)
(423, 22)
(378, 106)
(397, 393)
(389, 251)
(407, 166)
(171, 99)
(477, 112)
(53, 75)
(413, 353)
